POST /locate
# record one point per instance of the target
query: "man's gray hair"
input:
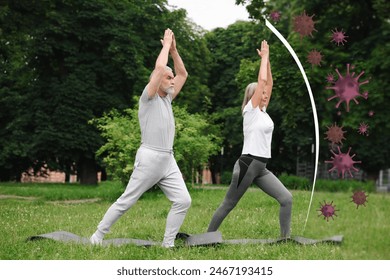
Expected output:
(167, 68)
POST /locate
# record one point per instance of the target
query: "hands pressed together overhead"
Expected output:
(169, 39)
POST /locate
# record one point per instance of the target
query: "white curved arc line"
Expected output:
(316, 129)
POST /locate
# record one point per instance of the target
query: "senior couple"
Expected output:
(155, 162)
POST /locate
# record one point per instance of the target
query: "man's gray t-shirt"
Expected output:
(156, 121)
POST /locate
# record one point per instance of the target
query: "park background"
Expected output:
(71, 75)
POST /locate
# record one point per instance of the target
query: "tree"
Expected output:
(15, 80)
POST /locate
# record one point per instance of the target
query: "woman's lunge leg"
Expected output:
(238, 186)
(271, 185)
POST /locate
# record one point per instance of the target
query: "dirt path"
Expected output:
(6, 196)
(31, 198)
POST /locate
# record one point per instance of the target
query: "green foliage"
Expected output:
(122, 134)
(226, 177)
(195, 141)
(292, 182)
(106, 191)
(344, 186)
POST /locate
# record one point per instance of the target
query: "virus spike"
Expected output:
(361, 73)
(338, 104)
(333, 97)
(337, 71)
(355, 169)
(331, 87)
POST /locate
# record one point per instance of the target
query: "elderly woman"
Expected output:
(251, 166)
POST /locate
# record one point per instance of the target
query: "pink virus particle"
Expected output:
(359, 198)
(304, 25)
(347, 88)
(314, 58)
(330, 78)
(338, 37)
(328, 210)
(335, 134)
(275, 16)
(363, 129)
(342, 162)
(371, 113)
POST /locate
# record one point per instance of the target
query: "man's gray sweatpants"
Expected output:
(153, 167)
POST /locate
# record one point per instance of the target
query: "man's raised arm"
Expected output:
(161, 63)
(180, 70)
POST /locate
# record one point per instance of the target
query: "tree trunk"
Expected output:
(87, 171)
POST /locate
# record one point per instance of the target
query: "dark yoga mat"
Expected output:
(65, 236)
(208, 238)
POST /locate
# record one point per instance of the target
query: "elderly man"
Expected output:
(154, 162)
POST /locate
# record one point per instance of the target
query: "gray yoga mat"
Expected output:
(65, 236)
(203, 239)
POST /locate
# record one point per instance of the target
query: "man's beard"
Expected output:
(169, 90)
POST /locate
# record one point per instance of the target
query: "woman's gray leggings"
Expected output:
(247, 170)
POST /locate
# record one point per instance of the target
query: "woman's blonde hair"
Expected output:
(249, 91)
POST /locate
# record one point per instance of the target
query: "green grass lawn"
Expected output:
(55, 207)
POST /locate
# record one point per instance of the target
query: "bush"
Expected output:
(226, 177)
(344, 185)
(293, 182)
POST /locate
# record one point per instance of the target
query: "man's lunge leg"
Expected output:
(176, 218)
(176, 191)
(144, 176)
(133, 192)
